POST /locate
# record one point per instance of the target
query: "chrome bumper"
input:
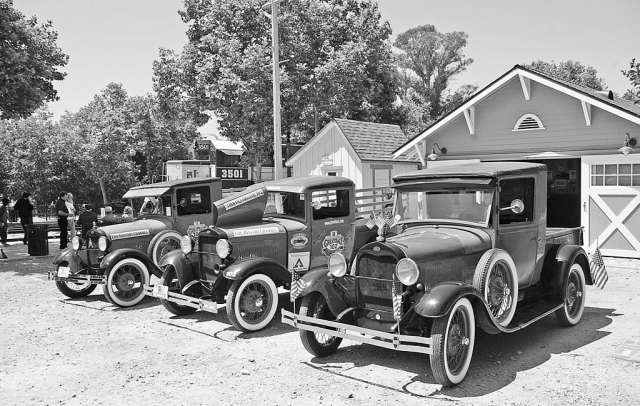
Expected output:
(184, 300)
(91, 279)
(391, 341)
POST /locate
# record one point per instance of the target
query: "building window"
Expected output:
(331, 170)
(528, 122)
(615, 175)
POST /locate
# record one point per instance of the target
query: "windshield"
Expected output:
(468, 204)
(151, 205)
(285, 203)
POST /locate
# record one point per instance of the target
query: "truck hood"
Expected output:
(138, 228)
(438, 242)
(243, 207)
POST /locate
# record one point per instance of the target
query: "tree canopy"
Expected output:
(633, 74)
(29, 63)
(571, 71)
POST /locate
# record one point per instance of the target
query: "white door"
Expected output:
(611, 204)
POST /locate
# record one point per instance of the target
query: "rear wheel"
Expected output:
(170, 279)
(252, 302)
(495, 277)
(321, 345)
(574, 297)
(162, 244)
(453, 339)
(125, 282)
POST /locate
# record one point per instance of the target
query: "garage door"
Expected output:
(611, 204)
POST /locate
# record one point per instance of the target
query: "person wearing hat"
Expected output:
(109, 217)
(24, 207)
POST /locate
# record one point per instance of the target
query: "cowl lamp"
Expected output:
(433, 156)
(626, 146)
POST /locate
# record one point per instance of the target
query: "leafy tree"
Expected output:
(634, 77)
(571, 71)
(30, 62)
(430, 59)
(336, 62)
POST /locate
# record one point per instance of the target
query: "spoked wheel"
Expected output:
(321, 345)
(162, 244)
(453, 339)
(252, 302)
(574, 297)
(495, 277)
(170, 279)
(125, 282)
(74, 290)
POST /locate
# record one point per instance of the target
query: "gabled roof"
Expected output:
(370, 141)
(619, 107)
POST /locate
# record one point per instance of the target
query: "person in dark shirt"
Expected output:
(24, 207)
(87, 219)
(63, 213)
(4, 221)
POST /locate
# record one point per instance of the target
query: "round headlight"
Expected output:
(186, 244)
(407, 271)
(223, 248)
(337, 264)
(103, 243)
(75, 243)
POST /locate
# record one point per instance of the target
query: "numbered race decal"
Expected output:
(243, 199)
(194, 230)
(299, 240)
(333, 243)
(129, 234)
(255, 231)
(299, 261)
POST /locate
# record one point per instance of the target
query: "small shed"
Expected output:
(360, 151)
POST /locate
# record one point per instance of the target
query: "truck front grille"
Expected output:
(208, 257)
(374, 282)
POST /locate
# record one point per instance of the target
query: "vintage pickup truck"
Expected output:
(121, 256)
(464, 245)
(258, 238)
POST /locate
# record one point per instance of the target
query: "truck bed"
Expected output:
(556, 235)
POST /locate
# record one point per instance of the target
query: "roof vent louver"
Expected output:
(528, 122)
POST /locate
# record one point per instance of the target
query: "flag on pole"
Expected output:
(397, 302)
(296, 286)
(598, 271)
(371, 222)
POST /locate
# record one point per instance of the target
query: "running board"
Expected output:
(531, 314)
(204, 304)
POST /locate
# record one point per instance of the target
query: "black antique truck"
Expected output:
(258, 238)
(121, 257)
(464, 246)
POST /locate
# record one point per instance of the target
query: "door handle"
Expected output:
(584, 206)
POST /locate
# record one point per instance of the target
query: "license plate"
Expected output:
(161, 292)
(63, 272)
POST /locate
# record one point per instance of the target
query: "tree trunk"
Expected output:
(104, 192)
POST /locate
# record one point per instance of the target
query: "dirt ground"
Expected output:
(58, 351)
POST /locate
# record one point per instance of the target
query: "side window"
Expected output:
(330, 203)
(194, 200)
(511, 189)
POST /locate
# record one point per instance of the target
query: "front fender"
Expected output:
(246, 267)
(186, 266)
(71, 257)
(440, 299)
(338, 292)
(115, 256)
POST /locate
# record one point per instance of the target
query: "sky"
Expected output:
(118, 40)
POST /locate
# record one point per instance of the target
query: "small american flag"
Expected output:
(296, 285)
(397, 302)
(371, 221)
(598, 271)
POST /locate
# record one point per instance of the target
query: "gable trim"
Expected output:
(586, 109)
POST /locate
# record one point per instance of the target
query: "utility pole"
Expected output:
(277, 130)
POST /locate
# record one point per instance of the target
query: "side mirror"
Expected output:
(183, 202)
(517, 206)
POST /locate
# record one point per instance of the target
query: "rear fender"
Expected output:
(70, 257)
(113, 257)
(440, 299)
(246, 267)
(338, 292)
(557, 275)
(186, 266)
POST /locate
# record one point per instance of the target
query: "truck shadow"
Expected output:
(500, 357)
(97, 301)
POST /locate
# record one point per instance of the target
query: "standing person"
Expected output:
(72, 215)
(24, 207)
(87, 219)
(4, 221)
(63, 213)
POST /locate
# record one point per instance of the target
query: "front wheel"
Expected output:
(496, 278)
(170, 279)
(318, 344)
(125, 282)
(252, 302)
(74, 290)
(574, 297)
(162, 244)
(453, 339)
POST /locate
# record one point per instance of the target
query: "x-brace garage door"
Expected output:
(611, 204)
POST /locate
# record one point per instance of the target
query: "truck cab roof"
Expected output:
(471, 171)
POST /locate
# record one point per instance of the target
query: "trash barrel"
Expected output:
(37, 239)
